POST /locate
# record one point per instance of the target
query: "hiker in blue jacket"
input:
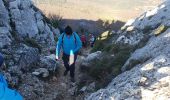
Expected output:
(70, 42)
(5, 92)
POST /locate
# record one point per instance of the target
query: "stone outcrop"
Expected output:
(146, 73)
(21, 19)
(25, 34)
(137, 29)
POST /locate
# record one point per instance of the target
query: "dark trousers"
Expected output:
(84, 44)
(68, 67)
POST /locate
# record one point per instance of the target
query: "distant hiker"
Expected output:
(5, 92)
(71, 44)
(84, 41)
(92, 40)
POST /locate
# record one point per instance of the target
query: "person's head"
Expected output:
(68, 30)
(1, 59)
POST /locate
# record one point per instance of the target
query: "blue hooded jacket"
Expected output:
(69, 45)
(5, 92)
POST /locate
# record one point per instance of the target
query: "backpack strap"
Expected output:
(62, 42)
(75, 39)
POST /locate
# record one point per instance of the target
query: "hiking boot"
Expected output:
(65, 73)
(72, 79)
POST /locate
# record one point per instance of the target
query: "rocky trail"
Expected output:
(59, 87)
(135, 60)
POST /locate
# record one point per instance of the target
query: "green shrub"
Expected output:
(120, 58)
(147, 29)
(108, 48)
(14, 34)
(32, 43)
(102, 45)
(104, 69)
(98, 46)
(55, 20)
(143, 42)
(150, 17)
(111, 48)
(100, 68)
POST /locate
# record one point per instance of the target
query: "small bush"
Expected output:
(55, 20)
(165, 10)
(108, 48)
(98, 46)
(100, 68)
(32, 43)
(150, 17)
(6, 3)
(120, 58)
(101, 44)
(103, 70)
(111, 48)
(147, 29)
(160, 30)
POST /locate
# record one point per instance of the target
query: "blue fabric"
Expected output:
(69, 45)
(1, 59)
(6, 93)
(2, 80)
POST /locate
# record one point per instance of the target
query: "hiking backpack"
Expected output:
(75, 40)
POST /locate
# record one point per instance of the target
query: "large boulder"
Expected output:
(29, 57)
(49, 63)
(155, 47)
(92, 56)
(42, 72)
(87, 61)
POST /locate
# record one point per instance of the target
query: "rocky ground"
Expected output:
(28, 45)
(146, 73)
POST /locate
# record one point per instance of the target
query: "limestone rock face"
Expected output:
(4, 15)
(28, 22)
(136, 29)
(24, 35)
(28, 58)
(5, 36)
(146, 73)
(149, 80)
(155, 47)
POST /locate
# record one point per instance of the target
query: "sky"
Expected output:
(96, 9)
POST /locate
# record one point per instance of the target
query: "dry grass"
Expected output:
(160, 29)
(92, 9)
